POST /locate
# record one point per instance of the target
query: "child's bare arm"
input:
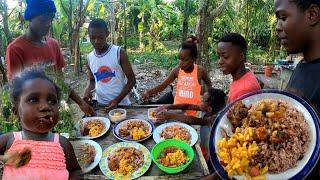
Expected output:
(181, 106)
(71, 160)
(205, 77)
(91, 85)
(182, 118)
(172, 76)
(127, 69)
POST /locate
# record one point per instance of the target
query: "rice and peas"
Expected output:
(271, 136)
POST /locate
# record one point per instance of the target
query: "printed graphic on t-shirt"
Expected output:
(104, 74)
(186, 85)
(44, 65)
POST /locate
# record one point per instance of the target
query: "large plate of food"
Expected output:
(88, 154)
(175, 130)
(133, 130)
(270, 134)
(125, 160)
(92, 127)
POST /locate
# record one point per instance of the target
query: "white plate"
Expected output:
(139, 172)
(157, 132)
(97, 158)
(304, 165)
(122, 123)
(106, 122)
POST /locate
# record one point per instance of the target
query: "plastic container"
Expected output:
(152, 113)
(158, 148)
(268, 71)
(117, 115)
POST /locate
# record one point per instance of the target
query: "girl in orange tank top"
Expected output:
(188, 89)
(188, 75)
(36, 100)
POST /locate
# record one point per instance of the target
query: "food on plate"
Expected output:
(237, 114)
(176, 132)
(153, 114)
(118, 114)
(172, 157)
(134, 130)
(125, 160)
(92, 128)
(270, 136)
(85, 154)
(237, 152)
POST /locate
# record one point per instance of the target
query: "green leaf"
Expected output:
(140, 27)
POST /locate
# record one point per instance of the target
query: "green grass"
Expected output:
(167, 59)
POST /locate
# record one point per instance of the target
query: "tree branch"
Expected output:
(216, 12)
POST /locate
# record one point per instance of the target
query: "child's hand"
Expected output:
(162, 108)
(87, 97)
(145, 96)
(112, 104)
(87, 109)
(162, 116)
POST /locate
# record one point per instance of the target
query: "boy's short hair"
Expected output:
(99, 23)
(305, 4)
(236, 39)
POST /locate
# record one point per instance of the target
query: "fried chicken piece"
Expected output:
(17, 159)
(237, 114)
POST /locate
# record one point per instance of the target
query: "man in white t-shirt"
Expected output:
(109, 70)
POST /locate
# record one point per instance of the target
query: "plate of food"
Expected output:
(125, 160)
(133, 130)
(172, 156)
(92, 127)
(176, 130)
(88, 154)
(270, 134)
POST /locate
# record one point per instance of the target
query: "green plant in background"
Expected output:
(167, 60)
(6, 106)
(66, 122)
(9, 125)
(8, 121)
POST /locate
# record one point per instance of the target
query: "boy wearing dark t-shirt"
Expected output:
(298, 28)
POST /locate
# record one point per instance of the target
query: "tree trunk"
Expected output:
(79, 20)
(77, 56)
(203, 30)
(113, 24)
(204, 27)
(70, 28)
(185, 25)
(141, 43)
(5, 21)
(76, 36)
(125, 25)
(2, 68)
